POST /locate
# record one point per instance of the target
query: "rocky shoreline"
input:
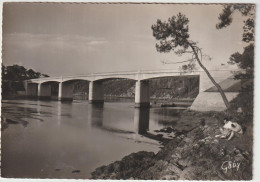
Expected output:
(193, 154)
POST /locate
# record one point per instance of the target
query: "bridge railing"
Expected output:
(112, 73)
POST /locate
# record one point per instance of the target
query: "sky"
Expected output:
(71, 38)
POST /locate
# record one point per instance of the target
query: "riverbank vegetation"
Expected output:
(13, 77)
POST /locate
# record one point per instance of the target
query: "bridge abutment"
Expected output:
(65, 91)
(212, 100)
(96, 92)
(142, 93)
(44, 91)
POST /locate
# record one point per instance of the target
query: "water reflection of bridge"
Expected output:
(140, 122)
(139, 130)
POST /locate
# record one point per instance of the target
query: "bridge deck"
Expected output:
(134, 75)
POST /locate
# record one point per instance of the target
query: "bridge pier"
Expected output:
(212, 100)
(96, 92)
(142, 93)
(65, 91)
(44, 91)
(31, 90)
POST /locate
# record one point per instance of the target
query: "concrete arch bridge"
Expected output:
(41, 87)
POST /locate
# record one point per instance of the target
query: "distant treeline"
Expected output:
(12, 79)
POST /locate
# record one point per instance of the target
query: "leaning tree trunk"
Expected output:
(223, 95)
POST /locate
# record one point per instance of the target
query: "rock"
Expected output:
(176, 156)
(196, 146)
(159, 135)
(166, 130)
(129, 166)
(246, 155)
(239, 110)
(169, 130)
(187, 139)
(215, 141)
(193, 155)
(240, 158)
(76, 171)
(222, 152)
(184, 162)
(202, 122)
(169, 177)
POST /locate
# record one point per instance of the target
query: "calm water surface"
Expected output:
(50, 139)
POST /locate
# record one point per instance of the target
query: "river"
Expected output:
(51, 139)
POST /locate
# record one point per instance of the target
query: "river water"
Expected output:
(51, 139)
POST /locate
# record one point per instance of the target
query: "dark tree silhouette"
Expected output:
(244, 61)
(173, 35)
(19, 73)
(12, 77)
(247, 10)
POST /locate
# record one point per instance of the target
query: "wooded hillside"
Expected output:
(172, 87)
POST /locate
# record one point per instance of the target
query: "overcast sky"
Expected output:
(66, 39)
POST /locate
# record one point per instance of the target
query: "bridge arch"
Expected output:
(110, 77)
(169, 76)
(48, 89)
(114, 78)
(97, 87)
(50, 82)
(75, 79)
(69, 88)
